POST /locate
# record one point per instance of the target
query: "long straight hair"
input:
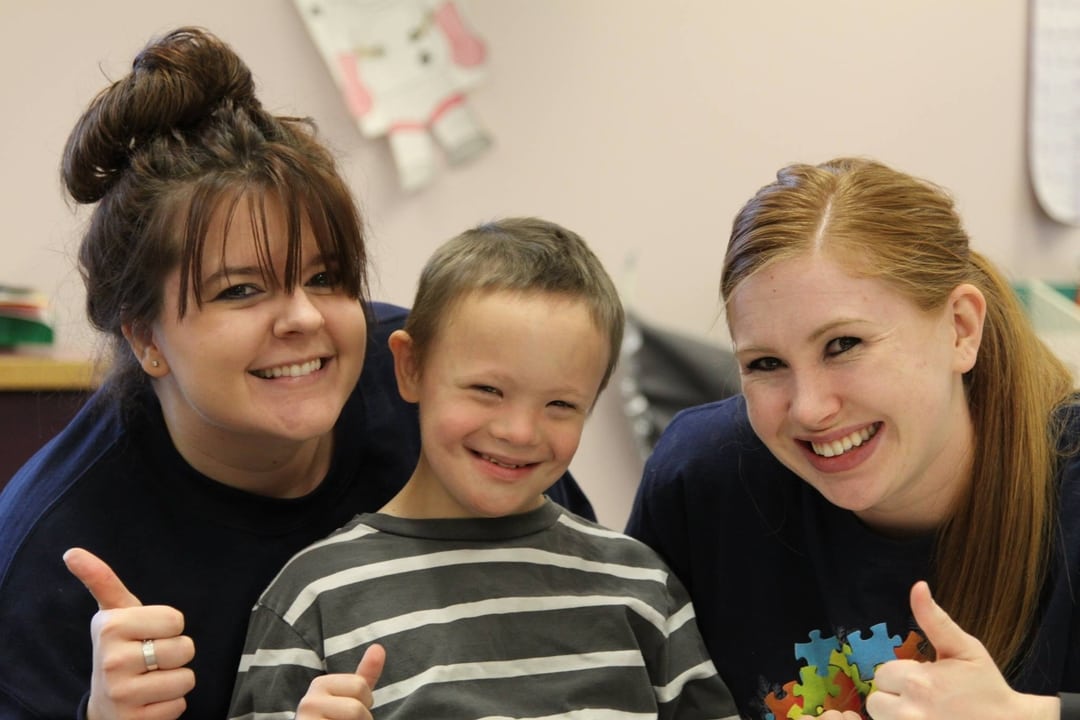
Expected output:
(992, 551)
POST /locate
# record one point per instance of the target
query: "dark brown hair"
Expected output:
(526, 255)
(181, 137)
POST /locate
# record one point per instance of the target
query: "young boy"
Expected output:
(490, 600)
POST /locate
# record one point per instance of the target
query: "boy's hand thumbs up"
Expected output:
(371, 665)
(341, 696)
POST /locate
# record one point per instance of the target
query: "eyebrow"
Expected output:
(827, 327)
(227, 272)
(250, 270)
(815, 335)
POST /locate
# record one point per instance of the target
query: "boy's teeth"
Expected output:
(290, 370)
(493, 461)
(841, 446)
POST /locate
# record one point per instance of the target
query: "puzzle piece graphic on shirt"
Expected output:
(842, 662)
(848, 696)
(912, 649)
(786, 707)
(817, 652)
(814, 689)
(838, 671)
(878, 648)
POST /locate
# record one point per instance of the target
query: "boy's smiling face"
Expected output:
(504, 391)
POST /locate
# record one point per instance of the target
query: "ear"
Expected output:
(967, 309)
(406, 367)
(140, 338)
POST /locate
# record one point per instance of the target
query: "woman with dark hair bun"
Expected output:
(225, 261)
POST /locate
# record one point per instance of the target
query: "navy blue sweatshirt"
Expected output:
(797, 599)
(120, 489)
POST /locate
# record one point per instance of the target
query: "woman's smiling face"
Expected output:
(256, 367)
(857, 390)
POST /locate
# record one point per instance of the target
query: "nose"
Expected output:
(516, 425)
(297, 314)
(814, 401)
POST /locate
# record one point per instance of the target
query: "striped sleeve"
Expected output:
(685, 681)
(689, 687)
(275, 670)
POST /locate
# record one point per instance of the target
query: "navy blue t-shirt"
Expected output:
(796, 598)
(120, 489)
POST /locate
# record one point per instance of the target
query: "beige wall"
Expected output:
(643, 124)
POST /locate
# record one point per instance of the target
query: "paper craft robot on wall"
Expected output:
(403, 68)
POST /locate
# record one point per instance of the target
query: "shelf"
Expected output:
(31, 372)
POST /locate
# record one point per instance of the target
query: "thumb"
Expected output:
(99, 579)
(948, 638)
(371, 665)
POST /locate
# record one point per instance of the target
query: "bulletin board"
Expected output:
(1054, 108)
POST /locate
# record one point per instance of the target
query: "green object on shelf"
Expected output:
(1052, 309)
(1066, 290)
(17, 331)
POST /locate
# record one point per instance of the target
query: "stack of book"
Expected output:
(23, 317)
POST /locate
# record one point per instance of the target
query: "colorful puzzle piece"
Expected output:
(817, 652)
(813, 689)
(869, 653)
(841, 661)
(784, 707)
(912, 649)
(847, 696)
(838, 674)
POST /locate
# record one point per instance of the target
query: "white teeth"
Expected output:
(493, 461)
(290, 370)
(841, 446)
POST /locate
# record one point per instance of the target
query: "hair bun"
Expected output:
(175, 84)
(178, 80)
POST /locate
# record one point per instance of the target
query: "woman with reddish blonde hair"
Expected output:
(899, 421)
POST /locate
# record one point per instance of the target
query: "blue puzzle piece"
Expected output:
(817, 652)
(869, 653)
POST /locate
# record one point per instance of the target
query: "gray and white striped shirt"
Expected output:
(539, 615)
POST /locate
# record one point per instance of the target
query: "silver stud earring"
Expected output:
(155, 363)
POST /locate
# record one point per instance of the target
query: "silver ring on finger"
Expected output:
(148, 654)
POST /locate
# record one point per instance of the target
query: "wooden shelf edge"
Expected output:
(36, 373)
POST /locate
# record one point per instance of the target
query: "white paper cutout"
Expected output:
(403, 68)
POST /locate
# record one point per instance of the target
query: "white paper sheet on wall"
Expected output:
(1054, 107)
(403, 68)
